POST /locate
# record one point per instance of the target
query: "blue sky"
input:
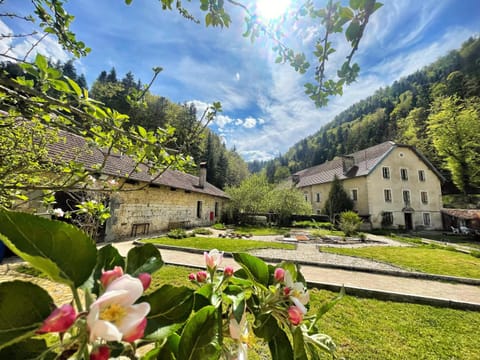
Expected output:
(265, 109)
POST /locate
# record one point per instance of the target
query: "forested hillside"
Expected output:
(435, 109)
(224, 167)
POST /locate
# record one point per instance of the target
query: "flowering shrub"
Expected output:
(111, 316)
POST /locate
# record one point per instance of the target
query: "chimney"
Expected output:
(202, 176)
(348, 162)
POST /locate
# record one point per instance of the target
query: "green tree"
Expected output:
(287, 202)
(338, 200)
(454, 128)
(250, 197)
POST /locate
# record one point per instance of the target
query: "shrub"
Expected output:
(313, 224)
(349, 222)
(177, 234)
(219, 226)
(202, 231)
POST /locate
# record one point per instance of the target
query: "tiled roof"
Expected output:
(365, 162)
(73, 147)
(467, 214)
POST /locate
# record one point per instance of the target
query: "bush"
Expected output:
(313, 224)
(177, 234)
(349, 222)
(202, 231)
(219, 226)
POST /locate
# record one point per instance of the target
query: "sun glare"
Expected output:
(271, 9)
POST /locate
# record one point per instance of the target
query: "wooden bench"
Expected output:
(140, 228)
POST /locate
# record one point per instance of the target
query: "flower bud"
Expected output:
(59, 320)
(146, 279)
(228, 271)
(287, 291)
(295, 315)
(213, 259)
(201, 276)
(279, 274)
(100, 353)
(191, 277)
(110, 275)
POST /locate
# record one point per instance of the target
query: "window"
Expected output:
(199, 209)
(406, 197)
(387, 193)
(404, 174)
(306, 196)
(318, 197)
(387, 218)
(421, 175)
(216, 208)
(354, 194)
(426, 219)
(386, 172)
(424, 197)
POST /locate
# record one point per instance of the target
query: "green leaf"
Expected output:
(60, 85)
(169, 305)
(108, 257)
(353, 31)
(266, 327)
(128, 2)
(28, 349)
(198, 337)
(145, 258)
(23, 308)
(141, 131)
(256, 269)
(74, 86)
(41, 62)
(299, 344)
(58, 249)
(280, 347)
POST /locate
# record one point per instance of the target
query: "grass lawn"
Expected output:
(229, 245)
(371, 329)
(422, 258)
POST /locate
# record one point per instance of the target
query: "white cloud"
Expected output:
(29, 46)
(237, 76)
(250, 123)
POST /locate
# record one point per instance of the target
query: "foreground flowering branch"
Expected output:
(112, 316)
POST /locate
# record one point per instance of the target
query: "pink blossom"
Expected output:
(279, 274)
(296, 292)
(191, 277)
(295, 315)
(59, 320)
(110, 275)
(228, 271)
(114, 316)
(100, 353)
(146, 280)
(213, 259)
(136, 333)
(201, 276)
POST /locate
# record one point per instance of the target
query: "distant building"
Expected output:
(148, 203)
(392, 186)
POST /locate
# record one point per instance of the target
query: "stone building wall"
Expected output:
(161, 208)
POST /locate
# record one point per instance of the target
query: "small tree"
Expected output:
(286, 202)
(349, 222)
(338, 200)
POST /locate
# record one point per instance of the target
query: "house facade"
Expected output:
(392, 186)
(145, 203)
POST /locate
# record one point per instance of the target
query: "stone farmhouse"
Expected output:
(148, 203)
(392, 185)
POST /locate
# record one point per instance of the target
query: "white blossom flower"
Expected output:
(58, 212)
(297, 292)
(114, 316)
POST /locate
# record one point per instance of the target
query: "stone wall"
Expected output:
(156, 209)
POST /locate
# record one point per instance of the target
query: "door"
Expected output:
(408, 221)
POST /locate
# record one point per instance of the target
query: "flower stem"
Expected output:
(220, 325)
(76, 298)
